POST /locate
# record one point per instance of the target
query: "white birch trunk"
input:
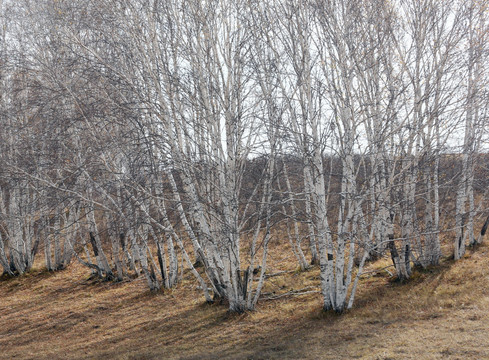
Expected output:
(99, 253)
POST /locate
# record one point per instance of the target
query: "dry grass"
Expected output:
(441, 313)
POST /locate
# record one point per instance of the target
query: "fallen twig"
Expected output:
(303, 291)
(379, 270)
(278, 274)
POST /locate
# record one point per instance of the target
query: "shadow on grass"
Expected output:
(132, 323)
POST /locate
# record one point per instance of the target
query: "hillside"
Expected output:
(439, 314)
(213, 179)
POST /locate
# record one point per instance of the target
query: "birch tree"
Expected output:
(473, 125)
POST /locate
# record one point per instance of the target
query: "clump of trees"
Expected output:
(135, 132)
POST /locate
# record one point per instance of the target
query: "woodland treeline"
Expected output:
(137, 133)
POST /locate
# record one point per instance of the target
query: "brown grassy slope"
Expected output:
(440, 314)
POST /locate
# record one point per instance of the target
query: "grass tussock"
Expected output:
(440, 313)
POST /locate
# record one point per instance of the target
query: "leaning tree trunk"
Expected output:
(96, 242)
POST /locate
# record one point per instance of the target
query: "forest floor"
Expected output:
(442, 313)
